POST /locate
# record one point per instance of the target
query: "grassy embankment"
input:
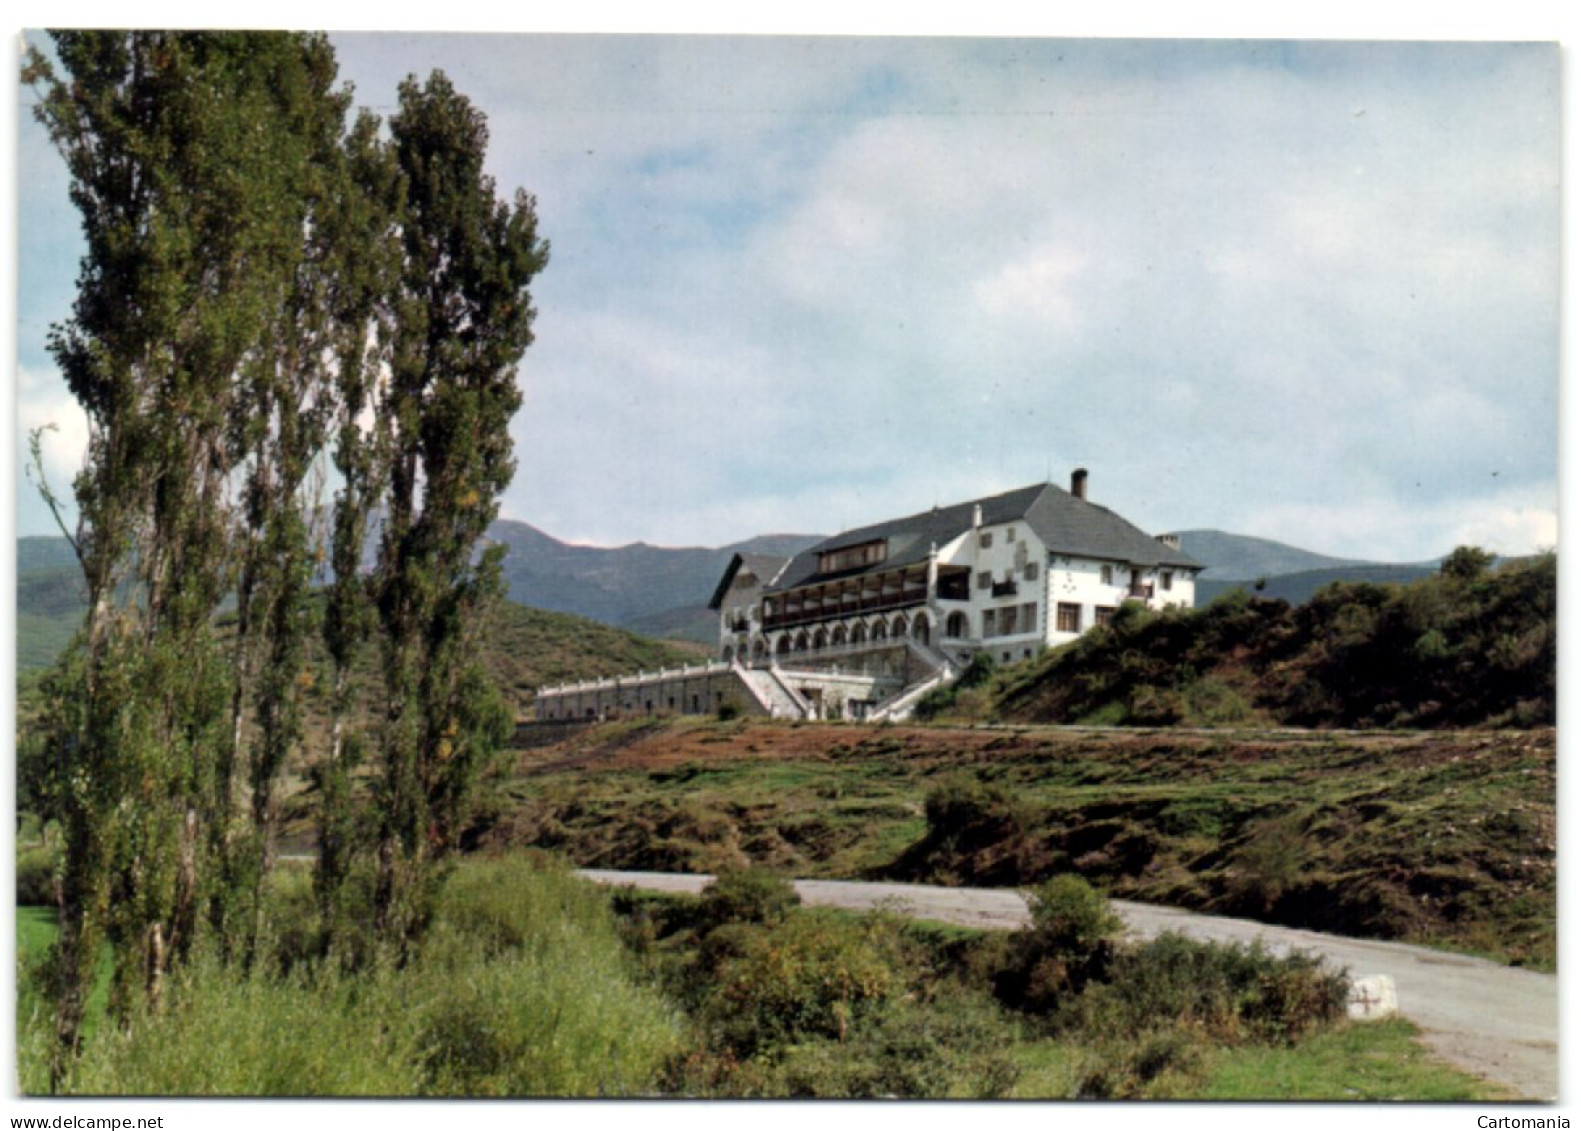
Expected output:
(1459, 649)
(1444, 838)
(522, 987)
(530, 984)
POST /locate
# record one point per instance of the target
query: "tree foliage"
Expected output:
(460, 322)
(265, 288)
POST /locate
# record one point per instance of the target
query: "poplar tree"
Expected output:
(192, 157)
(461, 320)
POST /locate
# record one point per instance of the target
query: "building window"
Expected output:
(853, 557)
(985, 579)
(1166, 580)
(1102, 614)
(1031, 571)
(1010, 535)
(985, 539)
(1106, 575)
(1029, 618)
(1068, 617)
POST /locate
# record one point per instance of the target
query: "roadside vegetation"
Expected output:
(531, 982)
(521, 986)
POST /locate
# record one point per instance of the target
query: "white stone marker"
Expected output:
(1372, 998)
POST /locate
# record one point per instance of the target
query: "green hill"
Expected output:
(524, 648)
(1441, 651)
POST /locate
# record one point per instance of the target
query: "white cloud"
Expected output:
(810, 283)
(46, 406)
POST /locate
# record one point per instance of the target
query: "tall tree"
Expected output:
(191, 157)
(462, 318)
(366, 222)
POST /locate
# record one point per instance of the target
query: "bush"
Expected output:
(36, 869)
(946, 1049)
(749, 895)
(1070, 943)
(1273, 860)
(814, 974)
(977, 833)
(1232, 992)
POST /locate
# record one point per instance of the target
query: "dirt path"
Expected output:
(1499, 1022)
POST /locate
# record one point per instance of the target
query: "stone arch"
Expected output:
(801, 641)
(783, 646)
(837, 637)
(760, 648)
(859, 632)
(897, 627)
(880, 631)
(921, 628)
(820, 640)
(957, 625)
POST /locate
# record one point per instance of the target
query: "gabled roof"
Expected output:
(765, 567)
(1066, 524)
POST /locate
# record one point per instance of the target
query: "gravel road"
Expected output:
(1499, 1022)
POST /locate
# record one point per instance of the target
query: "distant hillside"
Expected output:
(1239, 557)
(624, 585)
(523, 648)
(696, 624)
(1299, 588)
(43, 553)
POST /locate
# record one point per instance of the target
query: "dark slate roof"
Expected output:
(765, 567)
(1066, 524)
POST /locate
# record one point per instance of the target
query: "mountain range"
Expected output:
(661, 591)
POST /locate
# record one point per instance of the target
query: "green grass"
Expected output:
(1373, 1062)
(1377, 1061)
(522, 988)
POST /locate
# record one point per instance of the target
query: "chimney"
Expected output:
(1170, 540)
(977, 516)
(1078, 483)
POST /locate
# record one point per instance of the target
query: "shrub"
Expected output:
(814, 974)
(956, 1048)
(36, 869)
(551, 1022)
(976, 832)
(1070, 943)
(1233, 992)
(749, 895)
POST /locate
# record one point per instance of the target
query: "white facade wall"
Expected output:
(1015, 555)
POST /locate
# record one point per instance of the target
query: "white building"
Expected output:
(863, 624)
(1008, 575)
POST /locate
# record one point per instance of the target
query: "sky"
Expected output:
(1306, 291)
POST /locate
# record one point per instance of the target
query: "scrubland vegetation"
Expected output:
(1446, 838)
(530, 982)
(1471, 646)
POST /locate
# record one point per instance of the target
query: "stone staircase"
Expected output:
(900, 705)
(777, 697)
